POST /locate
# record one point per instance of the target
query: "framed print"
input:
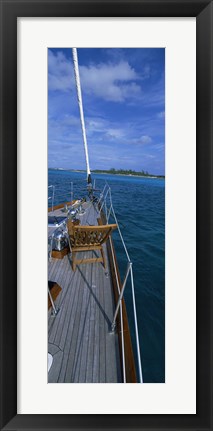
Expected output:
(110, 135)
(36, 40)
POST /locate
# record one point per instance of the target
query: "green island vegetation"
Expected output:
(129, 172)
(114, 171)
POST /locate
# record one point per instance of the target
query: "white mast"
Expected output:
(78, 86)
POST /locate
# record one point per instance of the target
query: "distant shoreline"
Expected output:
(128, 175)
(111, 173)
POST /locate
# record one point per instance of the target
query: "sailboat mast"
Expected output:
(80, 104)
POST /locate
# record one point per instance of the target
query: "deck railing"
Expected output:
(57, 195)
(51, 195)
(105, 203)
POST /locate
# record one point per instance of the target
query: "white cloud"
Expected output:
(161, 114)
(112, 82)
(60, 72)
(150, 156)
(70, 120)
(94, 125)
(145, 139)
(115, 133)
(146, 72)
(108, 81)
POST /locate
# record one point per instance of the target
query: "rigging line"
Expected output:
(136, 328)
(121, 312)
(78, 86)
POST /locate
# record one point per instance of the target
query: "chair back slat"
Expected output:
(91, 235)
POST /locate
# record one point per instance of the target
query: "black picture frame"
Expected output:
(10, 11)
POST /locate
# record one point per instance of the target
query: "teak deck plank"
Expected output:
(102, 356)
(86, 351)
(74, 338)
(96, 363)
(68, 333)
(82, 335)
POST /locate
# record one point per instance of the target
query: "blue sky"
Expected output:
(123, 93)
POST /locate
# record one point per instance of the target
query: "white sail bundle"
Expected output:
(78, 86)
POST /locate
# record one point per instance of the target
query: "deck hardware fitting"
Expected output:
(81, 211)
(113, 326)
(55, 309)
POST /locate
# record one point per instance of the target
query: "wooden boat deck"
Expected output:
(83, 349)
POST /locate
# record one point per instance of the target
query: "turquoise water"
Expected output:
(139, 204)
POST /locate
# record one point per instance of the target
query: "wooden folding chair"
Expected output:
(89, 238)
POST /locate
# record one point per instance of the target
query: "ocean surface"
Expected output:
(139, 204)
